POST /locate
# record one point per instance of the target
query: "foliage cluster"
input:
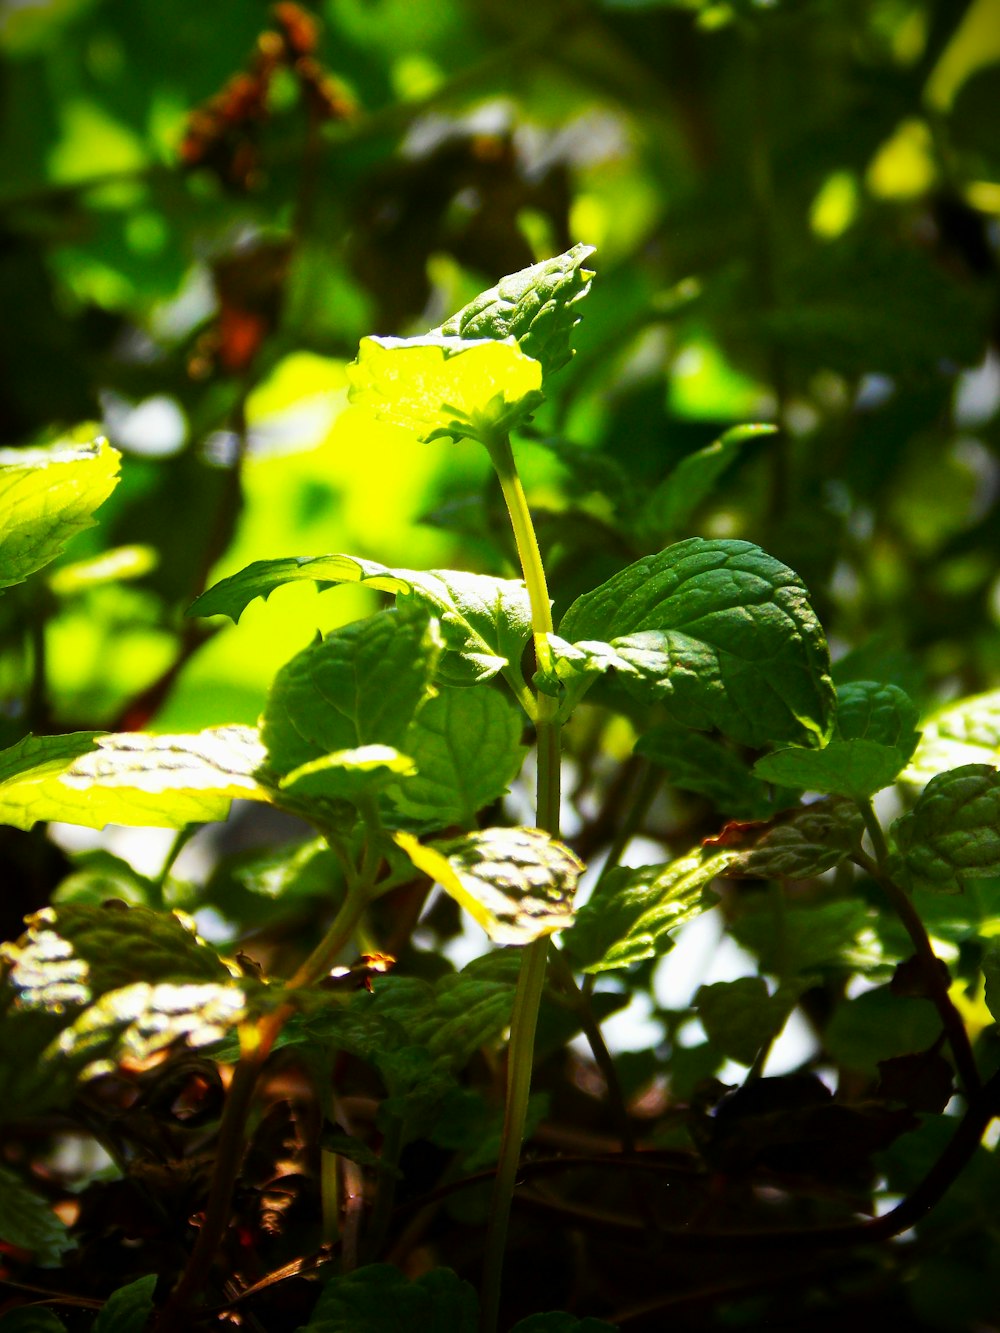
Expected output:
(392, 1030)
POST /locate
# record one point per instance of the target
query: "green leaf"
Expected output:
(99, 875)
(537, 307)
(379, 1299)
(347, 775)
(633, 912)
(466, 745)
(797, 942)
(358, 687)
(130, 778)
(718, 632)
(798, 844)
(439, 386)
(952, 834)
(31, 1319)
(740, 1017)
(966, 732)
(47, 496)
(878, 1026)
(704, 765)
(558, 1321)
(878, 712)
(27, 1221)
(677, 497)
(844, 768)
(86, 986)
(128, 1309)
(517, 883)
(485, 621)
(873, 741)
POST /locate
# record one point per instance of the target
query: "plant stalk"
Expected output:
(531, 979)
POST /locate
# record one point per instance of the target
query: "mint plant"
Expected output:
(397, 738)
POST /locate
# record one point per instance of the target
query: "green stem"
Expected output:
(934, 974)
(531, 979)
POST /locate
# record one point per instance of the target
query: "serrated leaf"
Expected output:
(873, 741)
(719, 632)
(538, 307)
(517, 883)
(952, 834)
(47, 496)
(879, 712)
(466, 745)
(379, 1299)
(966, 732)
(485, 621)
(676, 498)
(358, 687)
(798, 844)
(439, 386)
(130, 778)
(347, 775)
(740, 1017)
(127, 1310)
(843, 768)
(86, 986)
(633, 912)
(704, 765)
(27, 1221)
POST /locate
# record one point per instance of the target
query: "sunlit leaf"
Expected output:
(88, 985)
(965, 732)
(347, 775)
(130, 778)
(633, 912)
(438, 386)
(485, 621)
(517, 883)
(46, 497)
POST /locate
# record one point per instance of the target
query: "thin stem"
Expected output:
(531, 979)
(392, 1146)
(934, 974)
(580, 1000)
(256, 1041)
